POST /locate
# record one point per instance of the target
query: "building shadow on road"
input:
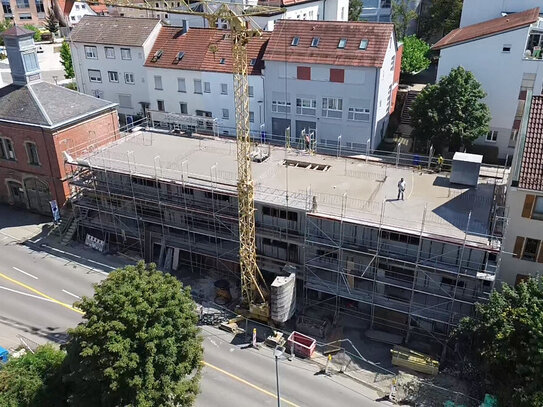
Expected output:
(49, 334)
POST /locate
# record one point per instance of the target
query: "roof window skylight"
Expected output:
(342, 43)
(364, 44)
(315, 41)
(178, 57)
(253, 62)
(295, 41)
(222, 61)
(157, 56)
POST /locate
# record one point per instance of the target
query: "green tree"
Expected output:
(415, 55)
(450, 113)
(33, 379)
(442, 17)
(504, 344)
(139, 344)
(355, 9)
(51, 23)
(37, 32)
(66, 60)
(401, 15)
(4, 25)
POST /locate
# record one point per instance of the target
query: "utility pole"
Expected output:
(278, 353)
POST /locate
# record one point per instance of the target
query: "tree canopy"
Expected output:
(4, 25)
(33, 379)
(415, 54)
(66, 60)
(37, 32)
(441, 19)
(402, 13)
(450, 113)
(139, 344)
(355, 9)
(504, 343)
(51, 23)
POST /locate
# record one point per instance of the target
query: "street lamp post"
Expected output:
(278, 353)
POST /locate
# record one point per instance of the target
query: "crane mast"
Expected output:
(253, 286)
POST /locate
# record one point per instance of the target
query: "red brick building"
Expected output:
(38, 122)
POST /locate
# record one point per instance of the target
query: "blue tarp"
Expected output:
(4, 354)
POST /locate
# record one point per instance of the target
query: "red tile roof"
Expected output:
(488, 28)
(531, 170)
(329, 33)
(204, 49)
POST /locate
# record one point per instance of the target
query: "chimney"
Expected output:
(22, 55)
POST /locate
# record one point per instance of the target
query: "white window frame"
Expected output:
(225, 114)
(90, 52)
(115, 76)
(492, 136)
(358, 114)
(224, 89)
(186, 107)
(126, 54)
(280, 106)
(28, 146)
(158, 105)
(129, 98)
(306, 107)
(332, 107)
(7, 153)
(251, 91)
(96, 78)
(198, 86)
(182, 89)
(127, 76)
(251, 117)
(207, 87)
(110, 52)
(158, 82)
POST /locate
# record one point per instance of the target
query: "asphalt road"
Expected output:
(36, 294)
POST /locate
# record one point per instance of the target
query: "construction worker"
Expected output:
(401, 188)
(439, 163)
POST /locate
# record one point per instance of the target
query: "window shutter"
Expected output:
(519, 243)
(304, 73)
(528, 206)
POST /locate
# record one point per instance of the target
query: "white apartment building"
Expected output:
(321, 10)
(334, 80)
(505, 56)
(189, 74)
(523, 243)
(78, 10)
(477, 11)
(108, 56)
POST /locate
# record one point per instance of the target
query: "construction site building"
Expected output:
(413, 267)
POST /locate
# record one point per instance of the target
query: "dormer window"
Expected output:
(295, 41)
(364, 44)
(315, 42)
(342, 43)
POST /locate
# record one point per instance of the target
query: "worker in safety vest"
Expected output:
(439, 163)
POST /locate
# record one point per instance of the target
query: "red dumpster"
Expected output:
(304, 346)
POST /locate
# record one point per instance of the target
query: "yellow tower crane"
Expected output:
(254, 292)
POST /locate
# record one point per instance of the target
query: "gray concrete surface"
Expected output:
(350, 187)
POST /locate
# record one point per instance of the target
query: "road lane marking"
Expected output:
(22, 293)
(24, 272)
(72, 294)
(254, 386)
(41, 294)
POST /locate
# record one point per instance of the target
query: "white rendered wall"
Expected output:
(79, 10)
(111, 90)
(500, 75)
(477, 11)
(359, 84)
(212, 102)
